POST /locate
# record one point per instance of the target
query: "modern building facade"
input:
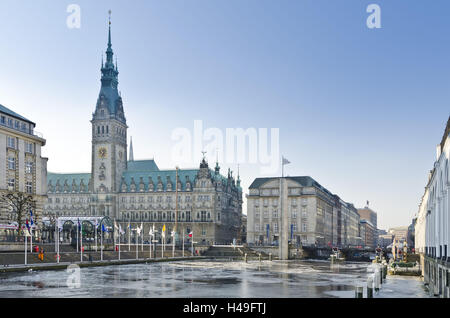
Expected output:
(199, 200)
(316, 217)
(432, 226)
(22, 167)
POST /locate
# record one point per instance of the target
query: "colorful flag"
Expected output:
(28, 226)
(285, 161)
(164, 231)
(31, 217)
(104, 228)
(190, 234)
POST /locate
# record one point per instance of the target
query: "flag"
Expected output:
(28, 226)
(138, 230)
(31, 217)
(120, 230)
(172, 233)
(285, 161)
(190, 234)
(164, 231)
(104, 228)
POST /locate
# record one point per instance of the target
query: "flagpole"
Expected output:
(101, 244)
(182, 231)
(119, 242)
(26, 249)
(78, 228)
(192, 242)
(57, 255)
(31, 239)
(142, 238)
(96, 228)
(81, 240)
(137, 244)
(129, 236)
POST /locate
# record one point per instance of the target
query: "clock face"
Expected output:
(102, 152)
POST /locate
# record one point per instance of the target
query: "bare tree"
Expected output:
(18, 203)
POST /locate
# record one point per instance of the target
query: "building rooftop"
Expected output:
(9, 112)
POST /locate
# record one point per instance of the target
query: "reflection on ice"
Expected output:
(206, 279)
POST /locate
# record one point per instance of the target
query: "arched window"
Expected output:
(98, 130)
(103, 129)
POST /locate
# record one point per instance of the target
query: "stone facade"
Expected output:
(432, 226)
(22, 167)
(316, 216)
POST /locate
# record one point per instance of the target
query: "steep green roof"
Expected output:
(142, 165)
(53, 178)
(129, 176)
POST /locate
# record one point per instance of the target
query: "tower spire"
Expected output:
(131, 149)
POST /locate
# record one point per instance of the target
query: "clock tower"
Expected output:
(109, 139)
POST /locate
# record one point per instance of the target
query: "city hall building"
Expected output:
(120, 188)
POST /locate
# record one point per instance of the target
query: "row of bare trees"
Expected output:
(19, 204)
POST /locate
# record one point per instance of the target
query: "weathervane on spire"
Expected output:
(203, 152)
(109, 16)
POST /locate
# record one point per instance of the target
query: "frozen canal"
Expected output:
(209, 279)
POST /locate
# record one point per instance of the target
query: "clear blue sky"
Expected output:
(359, 110)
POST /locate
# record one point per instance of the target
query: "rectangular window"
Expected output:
(11, 142)
(294, 227)
(16, 124)
(304, 212)
(256, 227)
(294, 213)
(10, 122)
(29, 187)
(11, 163)
(266, 213)
(188, 216)
(11, 183)
(304, 227)
(3, 120)
(275, 214)
(29, 147)
(29, 167)
(275, 227)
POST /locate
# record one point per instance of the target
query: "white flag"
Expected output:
(138, 229)
(285, 161)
